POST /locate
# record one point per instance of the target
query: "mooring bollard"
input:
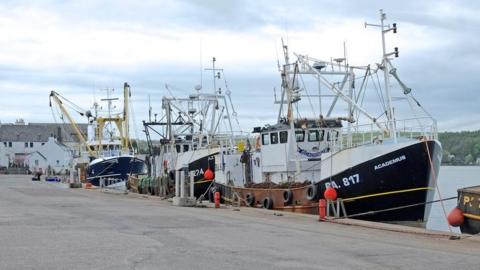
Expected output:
(322, 203)
(216, 199)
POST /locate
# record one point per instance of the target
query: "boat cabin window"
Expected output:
(313, 136)
(185, 147)
(332, 135)
(274, 137)
(299, 135)
(265, 139)
(177, 147)
(283, 136)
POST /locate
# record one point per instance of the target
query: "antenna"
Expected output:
(149, 110)
(201, 63)
(385, 65)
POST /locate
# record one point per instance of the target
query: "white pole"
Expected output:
(182, 183)
(192, 176)
(177, 183)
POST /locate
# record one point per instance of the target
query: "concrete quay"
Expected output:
(48, 226)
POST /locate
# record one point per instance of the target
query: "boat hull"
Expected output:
(114, 170)
(469, 203)
(393, 187)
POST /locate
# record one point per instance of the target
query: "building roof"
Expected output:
(39, 132)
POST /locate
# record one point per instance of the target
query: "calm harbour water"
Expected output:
(450, 179)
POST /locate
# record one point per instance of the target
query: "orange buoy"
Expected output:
(330, 194)
(208, 174)
(322, 209)
(455, 217)
(217, 199)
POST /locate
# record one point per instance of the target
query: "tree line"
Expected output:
(460, 148)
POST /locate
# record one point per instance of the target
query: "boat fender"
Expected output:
(311, 192)
(267, 203)
(249, 199)
(330, 194)
(455, 217)
(287, 196)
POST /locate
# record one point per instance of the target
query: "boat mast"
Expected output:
(125, 135)
(383, 30)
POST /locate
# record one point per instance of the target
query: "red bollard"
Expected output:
(322, 209)
(216, 199)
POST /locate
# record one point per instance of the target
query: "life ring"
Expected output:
(311, 192)
(287, 196)
(249, 199)
(267, 203)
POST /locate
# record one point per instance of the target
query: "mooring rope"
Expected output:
(436, 185)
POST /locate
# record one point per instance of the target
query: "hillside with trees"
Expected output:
(460, 148)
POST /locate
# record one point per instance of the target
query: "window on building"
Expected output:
(58, 162)
(283, 136)
(26, 144)
(43, 143)
(313, 136)
(177, 147)
(5, 143)
(274, 137)
(31, 144)
(185, 147)
(265, 139)
(300, 135)
(9, 144)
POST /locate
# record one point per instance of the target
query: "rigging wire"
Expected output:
(308, 95)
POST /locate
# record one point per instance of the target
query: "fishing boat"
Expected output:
(106, 149)
(382, 163)
(467, 213)
(197, 136)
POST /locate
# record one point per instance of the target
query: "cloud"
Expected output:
(78, 47)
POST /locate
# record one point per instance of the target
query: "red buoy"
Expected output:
(330, 194)
(208, 174)
(455, 217)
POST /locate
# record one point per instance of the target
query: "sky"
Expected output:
(81, 47)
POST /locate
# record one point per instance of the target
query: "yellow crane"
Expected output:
(121, 123)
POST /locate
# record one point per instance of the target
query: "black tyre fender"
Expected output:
(287, 196)
(311, 192)
(249, 199)
(267, 203)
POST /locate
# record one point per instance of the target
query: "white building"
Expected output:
(19, 141)
(3, 156)
(52, 155)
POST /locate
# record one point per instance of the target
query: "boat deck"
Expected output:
(474, 189)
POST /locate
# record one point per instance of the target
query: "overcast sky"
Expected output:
(80, 47)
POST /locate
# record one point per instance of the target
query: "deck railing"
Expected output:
(411, 128)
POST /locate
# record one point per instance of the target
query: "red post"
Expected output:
(322, 209)
(216, 198)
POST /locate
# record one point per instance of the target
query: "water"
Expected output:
(450, 179)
